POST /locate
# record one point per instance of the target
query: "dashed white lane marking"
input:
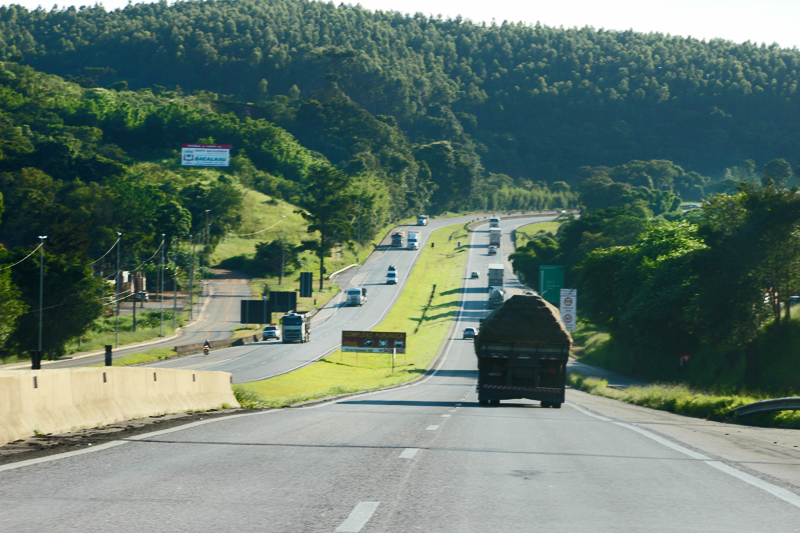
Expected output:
(432, 428)
(409, 453)
(358, 518)
(785, 495)
(446, 416)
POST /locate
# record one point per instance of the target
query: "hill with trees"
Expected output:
(527, 101)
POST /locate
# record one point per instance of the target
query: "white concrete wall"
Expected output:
(56, 401)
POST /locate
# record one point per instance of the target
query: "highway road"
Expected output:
(423, 457)
(265, 359)
(218, 309)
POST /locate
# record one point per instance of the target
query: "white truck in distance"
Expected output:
(356, 296)
(495, 234)
(495, 277)
(413, 240)
(422, 220)
(494, 222)
(295, 328)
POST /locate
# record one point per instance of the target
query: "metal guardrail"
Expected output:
(779, 404)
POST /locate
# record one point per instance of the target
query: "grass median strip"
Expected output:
(682, 400)
(346, 372)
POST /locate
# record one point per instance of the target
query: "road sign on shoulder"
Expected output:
(569, 300)
(374, 341)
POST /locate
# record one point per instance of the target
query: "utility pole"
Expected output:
(191, 281)
(118, 279)
(162, 284)
(174, 282)
(283, 248)
(205, 250)
(358, 251)
(41, 288)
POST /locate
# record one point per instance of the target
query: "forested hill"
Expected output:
(531, 102)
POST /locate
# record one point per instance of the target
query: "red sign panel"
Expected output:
(374, 341)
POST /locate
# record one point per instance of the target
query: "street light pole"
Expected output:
(358, 252)
(283, 248)
(118, 279)
(205, 250)
(41, 288)
(191, 281)
(175, 282)
(162, 284)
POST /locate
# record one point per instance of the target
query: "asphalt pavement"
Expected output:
(423, 457)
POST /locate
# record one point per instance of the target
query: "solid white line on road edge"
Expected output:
(783, 494)
(665, 442)
(445, 416)
(432, 428)
(409, 453)
(358, 517)
(105, 446)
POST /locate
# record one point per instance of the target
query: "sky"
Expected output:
(759, 21)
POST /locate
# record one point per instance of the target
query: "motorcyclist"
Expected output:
(206, 347)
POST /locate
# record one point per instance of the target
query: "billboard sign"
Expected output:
(283, 302)
(551, 281)
(306, 284)
(206, 155)
(569, 300)
(374, 341)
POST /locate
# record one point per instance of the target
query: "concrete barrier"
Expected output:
(56, 401)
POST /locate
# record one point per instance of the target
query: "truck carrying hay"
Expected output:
(522, 351)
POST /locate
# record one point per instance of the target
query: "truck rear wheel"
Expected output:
(483, 402)
(556, 406)
(545, 404)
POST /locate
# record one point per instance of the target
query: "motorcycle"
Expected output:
(205, 350)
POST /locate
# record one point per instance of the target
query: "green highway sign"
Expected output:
(551, 281)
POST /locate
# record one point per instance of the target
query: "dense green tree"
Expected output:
(329, 211)
(72, 300)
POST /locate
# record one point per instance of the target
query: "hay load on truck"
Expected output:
(495, 276)
(398, 237)
(356, 296)
(494, 236)
(422, 220)
(494, 222)
(522, 351)
(295, 328)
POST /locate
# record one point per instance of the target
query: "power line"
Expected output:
(256, 233)
(26, 257)
(101, 258)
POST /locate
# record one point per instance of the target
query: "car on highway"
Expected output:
(475, 275)
(271, 332)
(493, 250)
(469, 333)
